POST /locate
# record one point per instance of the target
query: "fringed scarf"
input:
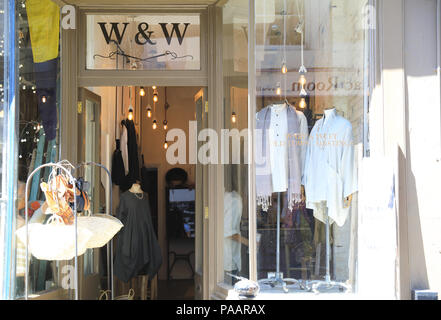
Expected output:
(264, 187)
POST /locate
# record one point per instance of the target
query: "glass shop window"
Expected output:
(235, 121)
(309, 69)
(38, 100)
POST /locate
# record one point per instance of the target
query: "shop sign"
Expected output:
(143, 42)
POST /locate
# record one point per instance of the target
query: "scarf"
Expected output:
(264, 188)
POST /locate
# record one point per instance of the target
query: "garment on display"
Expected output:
(137, 251)
(46, 83)
(232, 217)
(330, 175)
(278, 165)
(127, 172)
(118, 173)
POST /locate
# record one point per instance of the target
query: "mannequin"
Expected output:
(136, 188)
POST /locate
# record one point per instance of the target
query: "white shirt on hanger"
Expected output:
(278, 137)
(329, 176)
(124, 149)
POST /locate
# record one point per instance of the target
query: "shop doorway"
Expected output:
(175, 190)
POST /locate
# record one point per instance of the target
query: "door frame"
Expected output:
(209, 77)
(87, 283)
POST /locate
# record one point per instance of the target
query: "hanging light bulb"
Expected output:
(142, 92)
(154, 87)
(155, 125)
(149, 112)
(284, 68)
(302, 80)
(279, 89)
(233, 117)
(165, 123)
(43, 99)
(155, 96)
(165, 145)
(130, 115)
(302, 104)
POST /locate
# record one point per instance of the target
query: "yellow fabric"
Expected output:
(44, 26)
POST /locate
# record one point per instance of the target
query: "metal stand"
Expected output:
(72, 180)
(278, 278)
(316, 284)
(109, 245)
(110, 212)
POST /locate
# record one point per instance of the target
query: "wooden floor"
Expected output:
(176, 289)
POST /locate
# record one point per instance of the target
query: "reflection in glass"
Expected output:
(321, 48)
(235, 75)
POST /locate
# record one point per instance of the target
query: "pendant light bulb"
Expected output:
(154, 87)
(279, 89)
(165, 145)
(149, 112)
(284, 68)
(165, 123)
(302, 104)
(155, 96)
(43, 99)
(130, 115)
(302, 80)
(142, 92)
(233, 117)
(155, 125)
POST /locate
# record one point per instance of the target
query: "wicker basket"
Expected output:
(105, 295)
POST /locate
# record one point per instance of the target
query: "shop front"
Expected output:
(278, 141)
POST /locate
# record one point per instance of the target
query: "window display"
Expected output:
(309, 66)
(38, 98)
(236, 249)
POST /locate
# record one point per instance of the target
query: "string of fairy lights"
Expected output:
(30, 130)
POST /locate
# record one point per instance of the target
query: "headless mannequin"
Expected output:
(348, 200)
(136, 188)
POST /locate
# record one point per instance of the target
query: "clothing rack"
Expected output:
(314, 285)
(72, 180)
(278, 277)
